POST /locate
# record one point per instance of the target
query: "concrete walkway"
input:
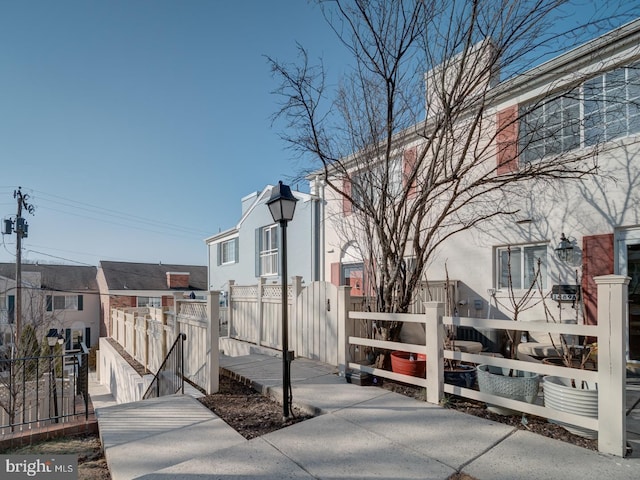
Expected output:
(360, 432)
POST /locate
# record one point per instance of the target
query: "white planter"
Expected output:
(561, 396)
(522, 386)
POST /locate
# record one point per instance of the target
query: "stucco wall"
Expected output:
(118, 376)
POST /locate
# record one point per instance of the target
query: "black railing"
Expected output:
(170, 376)
(38, 391)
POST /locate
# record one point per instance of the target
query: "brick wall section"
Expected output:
(177, 280)
(49, 430)
(167, 301)
(120, 301)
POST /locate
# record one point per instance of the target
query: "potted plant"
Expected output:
(406, 363)
(566, 394)
(508, 382)
(455, 372)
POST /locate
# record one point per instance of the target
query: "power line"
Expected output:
(115, 213)
(104, 215)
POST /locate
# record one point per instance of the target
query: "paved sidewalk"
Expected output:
(360, 432)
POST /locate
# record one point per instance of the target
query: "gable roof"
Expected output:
(260, 198)
(150, 276)
(67, 278)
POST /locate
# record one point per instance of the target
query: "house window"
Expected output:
(267, 249)
(78, 336)
(228, 252)
(611, 108)
(551, 128)
(352, 275)
(603, 108)
(368, 185)
(64, 302)
(524, 261)
(155, 302)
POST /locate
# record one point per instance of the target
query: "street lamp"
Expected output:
(53, 338)
(282, 204)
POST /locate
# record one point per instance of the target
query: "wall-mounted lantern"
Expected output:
(564, 250)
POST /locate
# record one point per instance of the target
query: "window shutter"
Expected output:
(258, 248)
(49, 303)
(507, 140)
(597, 259)
(80, 302)
(347, 207)
(408, 166)
(67, 336)
(335, 274)
(87, 337)
(236, 249)
(219, 253)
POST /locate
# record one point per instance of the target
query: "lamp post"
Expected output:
(282, 204)
(53, 338)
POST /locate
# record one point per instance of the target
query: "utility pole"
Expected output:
(22, 229)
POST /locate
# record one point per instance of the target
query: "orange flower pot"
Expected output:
(401, 363)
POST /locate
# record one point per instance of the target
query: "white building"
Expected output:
(599, 215)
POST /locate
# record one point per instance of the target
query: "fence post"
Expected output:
(434, 339)
(213, 352)
(612, 363)
(294, 327)
(176, 308)
(163, 333)
(345, 329)
(230, 308)
(259, 289)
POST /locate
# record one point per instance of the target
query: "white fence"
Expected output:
(610, 376)
(147, 334)
(255, 312)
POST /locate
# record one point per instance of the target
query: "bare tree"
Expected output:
(22, 373)
(413, 139)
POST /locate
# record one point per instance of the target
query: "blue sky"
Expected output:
(136, 126)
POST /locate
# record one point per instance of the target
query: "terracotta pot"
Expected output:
(401, 363)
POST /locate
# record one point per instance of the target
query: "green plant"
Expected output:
(93, 355)
(28, 349)
(573, 353)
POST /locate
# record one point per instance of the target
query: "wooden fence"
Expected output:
(610, 375)
(255, 312)
(147, 333)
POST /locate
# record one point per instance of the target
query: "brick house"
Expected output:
(125, 284)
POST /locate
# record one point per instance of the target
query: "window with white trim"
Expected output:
(369, 184)
(268, 250)
(601, 109)
(64, 302)
(611, 105)
(155, 302)
(228, 252)
(521, 262)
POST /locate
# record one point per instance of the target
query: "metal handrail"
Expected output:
(170, 376)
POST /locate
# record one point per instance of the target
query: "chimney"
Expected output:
(178, 279)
